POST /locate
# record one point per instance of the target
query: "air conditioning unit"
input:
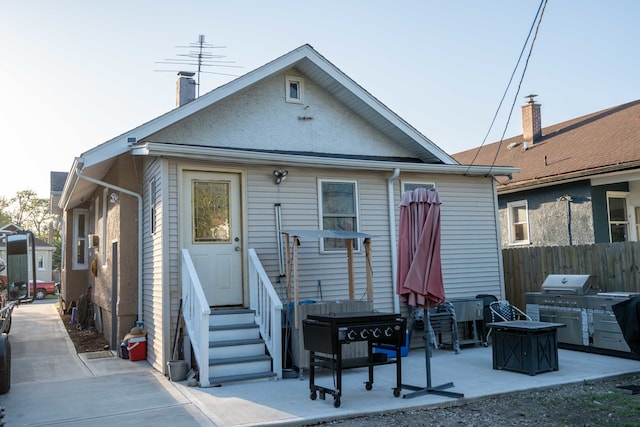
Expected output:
(94, 241)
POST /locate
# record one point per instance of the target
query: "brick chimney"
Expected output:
(531, 122)
(185, 88)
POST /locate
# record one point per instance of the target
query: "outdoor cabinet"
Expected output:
(525, 346)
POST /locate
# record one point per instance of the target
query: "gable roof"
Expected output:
(594, 144)
(96, 162)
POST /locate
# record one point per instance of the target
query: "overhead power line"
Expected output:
(535, 25)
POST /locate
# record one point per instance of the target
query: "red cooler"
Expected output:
(137, 348)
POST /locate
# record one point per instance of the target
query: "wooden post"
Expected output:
(288, 266)
(295, 282)
(367, 249)
(349, 244)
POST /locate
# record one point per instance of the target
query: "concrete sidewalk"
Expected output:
(53, 386)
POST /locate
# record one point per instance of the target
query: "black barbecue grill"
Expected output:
(324, 335)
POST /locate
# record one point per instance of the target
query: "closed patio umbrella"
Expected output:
(419, 275)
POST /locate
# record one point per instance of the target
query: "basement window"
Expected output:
(293, 89)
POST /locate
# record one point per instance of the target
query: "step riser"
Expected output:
(236, 351)
(231, 319)
(234, 334)
(240, 368)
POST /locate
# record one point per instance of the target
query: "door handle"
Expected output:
(237, 248)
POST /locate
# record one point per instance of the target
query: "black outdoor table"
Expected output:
(525, 346)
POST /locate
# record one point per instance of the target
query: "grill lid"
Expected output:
(576, 284)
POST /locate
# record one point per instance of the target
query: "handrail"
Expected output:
(196, 311)
(264, 300)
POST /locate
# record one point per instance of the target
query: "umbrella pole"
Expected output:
(439, 390)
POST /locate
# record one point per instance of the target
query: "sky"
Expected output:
(76, 73)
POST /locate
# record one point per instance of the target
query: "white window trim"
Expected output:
(74, 251)
(42, 257)
(300, 82)
(510, 206)
(618, 195)
(358, 246)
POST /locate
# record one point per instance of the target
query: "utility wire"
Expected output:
(535, 24)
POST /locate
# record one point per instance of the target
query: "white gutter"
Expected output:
(261, 157)
(393, 237)
(79, 165)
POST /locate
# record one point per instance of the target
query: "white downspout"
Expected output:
(393, 237)
(139, 323)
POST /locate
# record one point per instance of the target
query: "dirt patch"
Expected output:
(588, 403)
(85, 340)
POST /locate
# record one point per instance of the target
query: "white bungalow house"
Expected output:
(184, 213)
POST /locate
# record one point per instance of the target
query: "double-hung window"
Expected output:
(80, 235)
(518, 223)
(338, 211)
(618, 219)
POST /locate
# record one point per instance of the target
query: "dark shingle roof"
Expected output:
(604, 141)
(57, 181)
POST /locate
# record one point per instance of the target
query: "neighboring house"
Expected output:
(206, 188)
(44, 254)
(579, 181)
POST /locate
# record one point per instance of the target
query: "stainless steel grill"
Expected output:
(571, 299)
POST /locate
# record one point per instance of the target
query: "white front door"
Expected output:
(211, 232)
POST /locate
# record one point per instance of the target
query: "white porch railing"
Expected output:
(268, 307)
(196, 311)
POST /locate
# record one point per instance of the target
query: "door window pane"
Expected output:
(210, 207)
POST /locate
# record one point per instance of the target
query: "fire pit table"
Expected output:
(525, 346)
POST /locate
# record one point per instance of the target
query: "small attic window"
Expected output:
(294, 89)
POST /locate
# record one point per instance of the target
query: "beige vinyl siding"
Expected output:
(152, 265)
(470, 249)
(298, 198)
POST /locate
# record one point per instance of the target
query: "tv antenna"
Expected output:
(199, 55)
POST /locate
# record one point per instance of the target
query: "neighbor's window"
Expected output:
(40, 262)
(618, 220)
(80, 232)
(293, 89)
(410, 186)
(518, 223)
(637, 223)
(339, 211)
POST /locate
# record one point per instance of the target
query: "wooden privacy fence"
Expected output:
(615, 266)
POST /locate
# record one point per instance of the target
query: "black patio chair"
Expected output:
(503, 311)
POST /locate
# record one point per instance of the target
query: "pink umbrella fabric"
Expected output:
(419, 275)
